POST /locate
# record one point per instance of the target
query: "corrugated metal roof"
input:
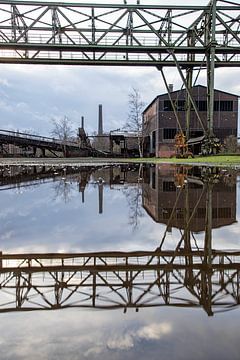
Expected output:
(196, 140)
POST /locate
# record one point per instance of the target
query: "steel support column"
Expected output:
(211, 45)
(189, 79)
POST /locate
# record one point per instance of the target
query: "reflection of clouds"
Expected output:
(7, 235)
(127, 341)
(123, 342)
(75, 335)
(154, 331)
(95, 350)
(227, 237)
(35, 220)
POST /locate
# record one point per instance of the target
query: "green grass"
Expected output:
(218, 160)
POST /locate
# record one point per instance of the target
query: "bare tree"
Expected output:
(62, 129)
(63, 190)
(134, 122)
(230, 144)
(134, 200)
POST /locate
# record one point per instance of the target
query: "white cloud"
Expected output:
(124, 342)
(95, 350)
(4, 82)
(154, 331)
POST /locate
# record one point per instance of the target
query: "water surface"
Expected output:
(119, 262)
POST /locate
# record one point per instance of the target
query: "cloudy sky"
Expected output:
(32, 95)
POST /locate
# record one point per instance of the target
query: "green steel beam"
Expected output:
(110, 33)
(85, 62)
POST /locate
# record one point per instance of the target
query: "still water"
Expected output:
(124, 262)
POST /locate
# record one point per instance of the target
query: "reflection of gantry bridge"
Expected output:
(112, 280)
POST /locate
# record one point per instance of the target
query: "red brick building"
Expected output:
(160, 125)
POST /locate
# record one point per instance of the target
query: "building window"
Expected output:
(224, 213)
(181, 105)
(166, 212)
(167, 106)
(169, 186)
(226, 105)
(169, 133)
(201, 213)
(154, 140)
(201, 105)
(153, 179)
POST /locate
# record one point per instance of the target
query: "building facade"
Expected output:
(160, 124)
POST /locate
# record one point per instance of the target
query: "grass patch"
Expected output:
(223, 160)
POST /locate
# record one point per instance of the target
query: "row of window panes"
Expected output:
(170, 133)
(223, 105)
(217, 213)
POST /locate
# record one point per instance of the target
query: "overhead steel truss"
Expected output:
(119, 34)
(186, 37)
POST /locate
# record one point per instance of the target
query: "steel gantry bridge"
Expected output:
(120, 34)
(186, 37)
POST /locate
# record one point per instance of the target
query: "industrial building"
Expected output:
(160, 125)
(115, 142)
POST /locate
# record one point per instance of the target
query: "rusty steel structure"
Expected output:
(186, 37)
(115, 280)
(78, 147)
(35, 141)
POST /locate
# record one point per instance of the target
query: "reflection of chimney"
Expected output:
(81, 189)
(100, 120)
(82, 122)
(170, 88)
(100, 197)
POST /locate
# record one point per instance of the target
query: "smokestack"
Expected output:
(82, 122)
(100, 120)
(170, 88)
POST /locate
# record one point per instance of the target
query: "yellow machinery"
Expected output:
(181, 146)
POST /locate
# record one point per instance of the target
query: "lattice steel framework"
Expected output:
(120, 280)
(186, 37)
(186, 276)
(119, 34)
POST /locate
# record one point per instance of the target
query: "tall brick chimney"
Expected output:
(82, 122)
(100, 120)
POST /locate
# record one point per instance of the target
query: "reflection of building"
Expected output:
(117, 175)
(160, 125)
(172, 198)
(111, 176)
